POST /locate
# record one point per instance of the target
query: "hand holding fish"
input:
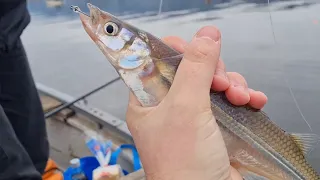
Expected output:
(175, 138)
(233, 83)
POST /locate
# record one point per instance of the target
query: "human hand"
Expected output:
(233, 83)
(179, 138)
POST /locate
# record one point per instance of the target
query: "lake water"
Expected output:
(276, 48)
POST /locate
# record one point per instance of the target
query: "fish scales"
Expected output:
(257, 147)
(260, 124)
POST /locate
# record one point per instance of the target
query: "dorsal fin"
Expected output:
(306, 142)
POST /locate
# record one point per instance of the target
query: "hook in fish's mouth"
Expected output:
(89, 21)
(84, 17)
(94, 14)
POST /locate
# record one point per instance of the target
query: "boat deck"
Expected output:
(66, 137)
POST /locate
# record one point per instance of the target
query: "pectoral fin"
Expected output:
(168, 66)
(248, 175)
(252, 167)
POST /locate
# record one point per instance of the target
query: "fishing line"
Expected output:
(160, 7)
(66, 105)
(296, 102)
(270, 17)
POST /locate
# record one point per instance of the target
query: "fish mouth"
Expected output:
(91, 25)
(89, 22)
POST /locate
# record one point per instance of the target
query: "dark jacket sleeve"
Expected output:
(14, 18)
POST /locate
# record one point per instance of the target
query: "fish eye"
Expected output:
(111, 28)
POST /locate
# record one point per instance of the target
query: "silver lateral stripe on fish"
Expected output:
(257, 147)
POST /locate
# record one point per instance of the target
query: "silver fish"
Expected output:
(257, 147)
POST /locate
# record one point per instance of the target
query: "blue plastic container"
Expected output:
(89, 163)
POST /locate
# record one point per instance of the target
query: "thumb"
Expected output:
(196, 70)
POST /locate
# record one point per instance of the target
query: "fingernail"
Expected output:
(209, 32)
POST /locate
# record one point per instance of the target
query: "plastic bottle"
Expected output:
(77, 171)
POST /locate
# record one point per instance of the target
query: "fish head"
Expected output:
(141, 59)
(111, 37)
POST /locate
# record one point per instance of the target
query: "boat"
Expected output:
(54, 3)
(67, 120)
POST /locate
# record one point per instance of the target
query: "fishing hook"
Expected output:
(78, 10)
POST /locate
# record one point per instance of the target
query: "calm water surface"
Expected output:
(277, 52)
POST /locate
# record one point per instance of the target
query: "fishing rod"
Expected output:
(66, 105)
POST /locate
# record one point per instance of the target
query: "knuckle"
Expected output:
(195, 54)
(238, 78)
(200, 49)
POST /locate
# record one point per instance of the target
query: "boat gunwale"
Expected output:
(86, 108)
(117, 127)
